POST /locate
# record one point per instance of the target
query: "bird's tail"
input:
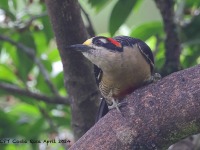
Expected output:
(103, 110)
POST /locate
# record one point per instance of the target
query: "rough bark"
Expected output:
(172, 43)
(78, 72)
(156, 116)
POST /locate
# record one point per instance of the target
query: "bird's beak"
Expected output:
(81, 47)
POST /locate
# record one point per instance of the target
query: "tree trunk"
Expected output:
(155, 117)
(78, 72)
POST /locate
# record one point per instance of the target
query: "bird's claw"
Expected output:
(116, 105)
(156, 77)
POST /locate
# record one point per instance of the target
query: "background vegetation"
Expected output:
(33, 101)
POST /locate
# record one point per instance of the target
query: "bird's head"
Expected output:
(115, 53)
(100, 50)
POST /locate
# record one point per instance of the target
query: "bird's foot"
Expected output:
(116, 105)
(153, 78)
(156, 77)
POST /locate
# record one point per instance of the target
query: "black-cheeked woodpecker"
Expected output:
(126, 63)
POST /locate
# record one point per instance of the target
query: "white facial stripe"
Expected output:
(103, 40)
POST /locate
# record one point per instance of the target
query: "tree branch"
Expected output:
(45, 114)
(13, 89)
(24, 25)
(172, 43)
(155, 117)
(31, 53)
(90, 27)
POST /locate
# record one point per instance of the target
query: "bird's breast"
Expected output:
(120, 86)
(127, 71)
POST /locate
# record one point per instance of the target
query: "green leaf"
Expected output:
(25, 109)
(120, 13)
(1, 47)
(25, 61)
(11, 50)
(98, 4)
(27, 116)
(147, 30)
(47, 28)
(54, 55)
(192, 3)
(4, 4)
(42, 85)
(47, 64)
(63, 121)
(58, 81)
(190, 31)
(40, 42)
(8, 127)
(37, 128)
(6, 74)
(190, 55)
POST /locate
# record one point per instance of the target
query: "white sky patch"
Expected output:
(4, 56)
(57, 68)
(44, 56)
(2, 16)
(124, 30)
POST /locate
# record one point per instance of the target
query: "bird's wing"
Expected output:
(98, 74)
(147, 54)
(103, 107)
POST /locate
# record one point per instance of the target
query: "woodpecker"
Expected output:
(126, 63)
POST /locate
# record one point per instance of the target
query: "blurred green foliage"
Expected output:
(26, 22)
(186, 17)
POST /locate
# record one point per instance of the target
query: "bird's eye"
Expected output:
(98, 42)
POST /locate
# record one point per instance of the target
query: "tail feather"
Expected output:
(103, 110)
